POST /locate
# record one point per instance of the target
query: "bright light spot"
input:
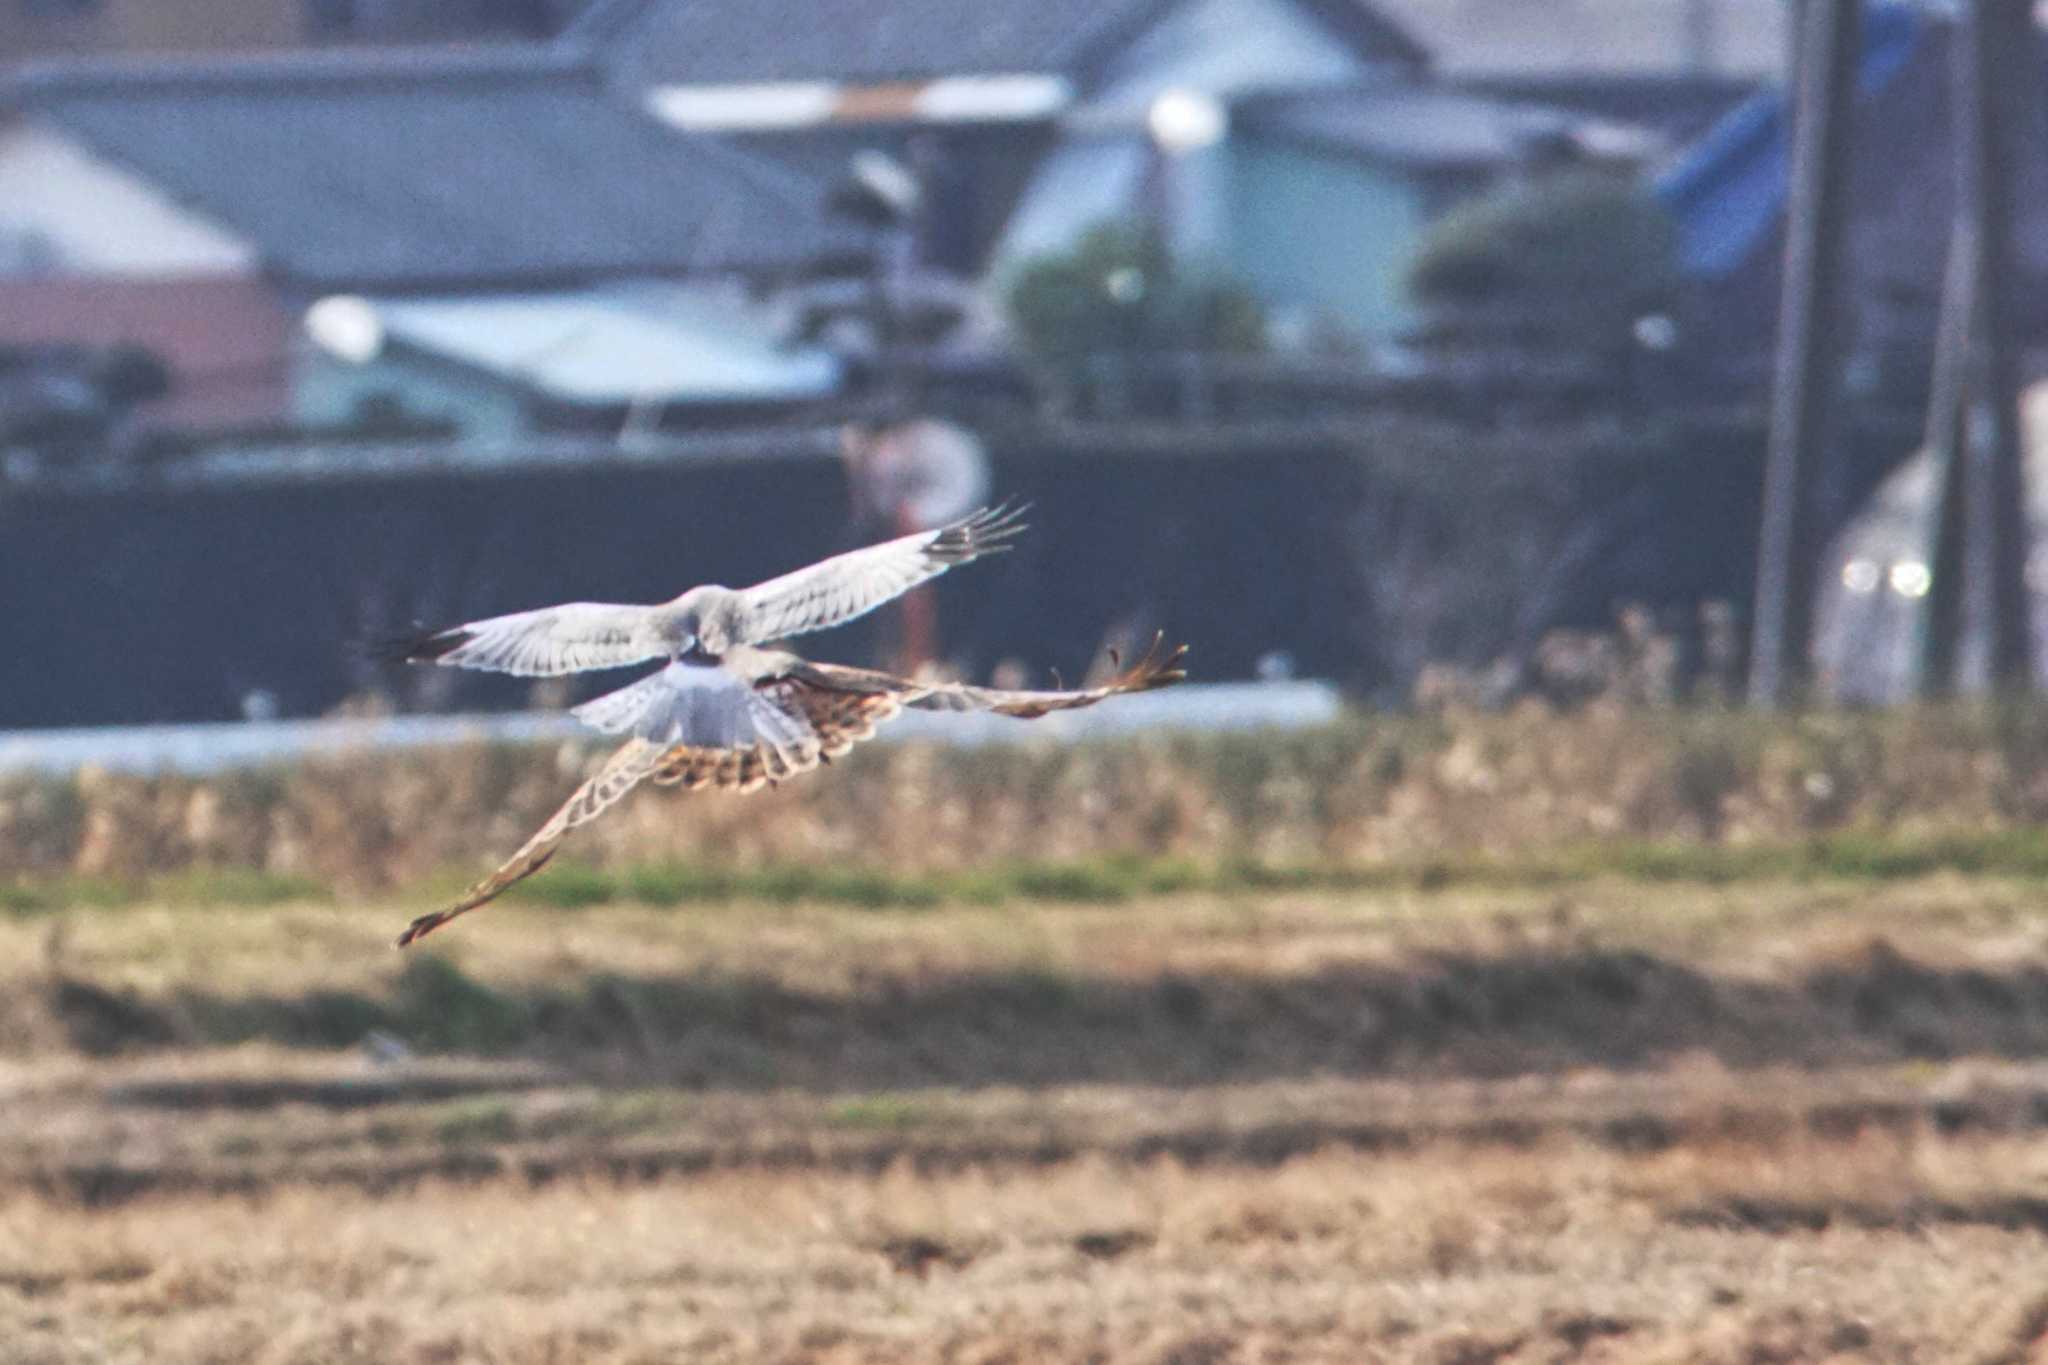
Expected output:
(1911, 578)
(1656, 332)
(1861, 575)
(1125, 284)
(1186, 121)
(2037, 570)
(888, 180)
(347, 328)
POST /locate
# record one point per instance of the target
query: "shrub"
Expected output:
(1120, 290)
(1578, 256)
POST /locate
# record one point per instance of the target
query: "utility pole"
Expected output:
(1947, 401)
(1994, 59)
(1978, 594)
(1807, 385)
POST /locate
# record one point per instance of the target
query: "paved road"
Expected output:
(212, 748)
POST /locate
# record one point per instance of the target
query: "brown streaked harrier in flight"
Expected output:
(725, 712)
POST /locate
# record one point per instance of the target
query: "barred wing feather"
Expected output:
(1159, 667)
(634, 762)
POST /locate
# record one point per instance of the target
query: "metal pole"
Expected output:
(1946, 399)
(1995, 42)
(1808, 377)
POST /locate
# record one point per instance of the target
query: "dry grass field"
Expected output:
(1622, 1034)
(1611, 1117)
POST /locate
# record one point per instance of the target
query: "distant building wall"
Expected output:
(52, 28)
(1322, 234)
(32, 29)
(224, 338)
(1218, 47)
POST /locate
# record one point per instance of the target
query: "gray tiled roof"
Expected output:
(871, 41)
(400, 170)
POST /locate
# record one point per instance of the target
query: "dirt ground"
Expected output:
(1617, 1121)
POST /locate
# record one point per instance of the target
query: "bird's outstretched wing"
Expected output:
(1157, 667)
(736, 736)
(635, 761)
(843, 587)
(575, 637)
(705, 727)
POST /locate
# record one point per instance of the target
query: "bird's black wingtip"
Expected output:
(984, 532)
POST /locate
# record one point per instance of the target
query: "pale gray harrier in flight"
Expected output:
(724, 711)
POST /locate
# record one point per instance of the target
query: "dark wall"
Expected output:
(172, 605)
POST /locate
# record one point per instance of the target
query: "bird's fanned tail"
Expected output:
(837, 721)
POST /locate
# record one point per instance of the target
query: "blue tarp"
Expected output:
(1728, 192)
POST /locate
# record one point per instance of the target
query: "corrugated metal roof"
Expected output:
(397, 170)
(616, 345)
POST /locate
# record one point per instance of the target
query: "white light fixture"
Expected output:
(1861, 575)
(1183, 121)
(1125, 284)
(1911, 578)
(347, 327)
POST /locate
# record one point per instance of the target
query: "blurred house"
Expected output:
(1328, 192)
(1301, 146)
(498, 367)
(140, 192)
(1036, 121)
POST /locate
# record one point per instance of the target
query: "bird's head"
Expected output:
(696, 625)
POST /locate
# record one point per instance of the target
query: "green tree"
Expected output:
(1574, 258)
(1120, 290)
